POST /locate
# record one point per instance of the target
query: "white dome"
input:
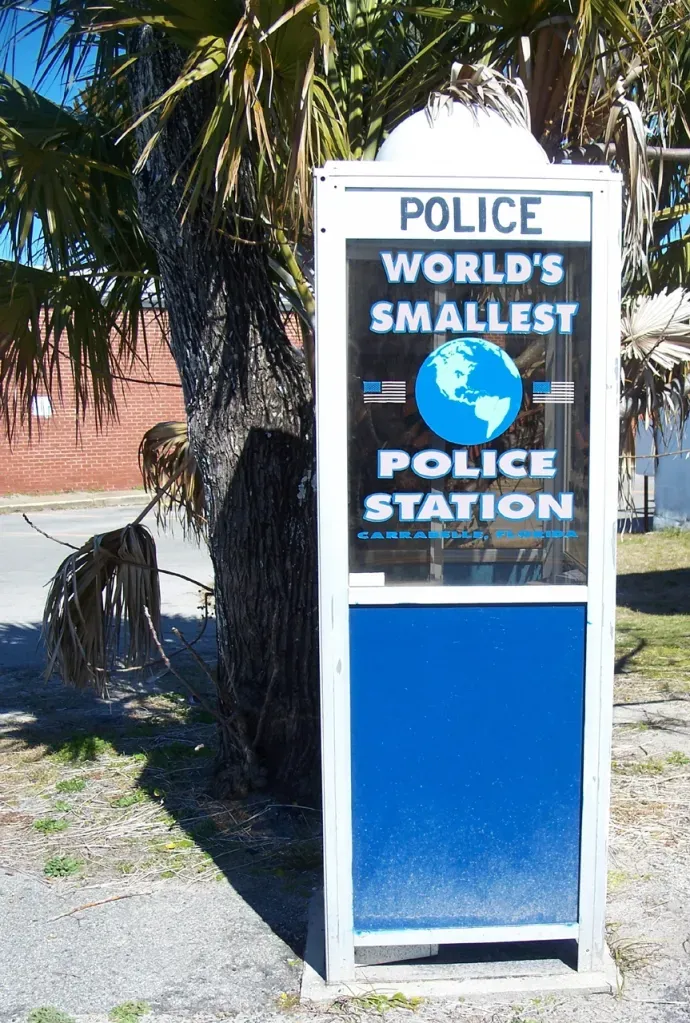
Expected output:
(470, 141)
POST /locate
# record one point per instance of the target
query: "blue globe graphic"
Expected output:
(468, 391)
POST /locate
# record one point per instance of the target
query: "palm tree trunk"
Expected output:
(251, 427)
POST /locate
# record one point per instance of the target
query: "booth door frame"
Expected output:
(336, 595)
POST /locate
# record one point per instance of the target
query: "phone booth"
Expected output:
(467, 434)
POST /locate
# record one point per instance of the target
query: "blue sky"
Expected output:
(19, 58)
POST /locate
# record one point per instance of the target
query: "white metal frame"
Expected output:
(336, 594)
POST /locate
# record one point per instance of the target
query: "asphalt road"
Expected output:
(29, 560)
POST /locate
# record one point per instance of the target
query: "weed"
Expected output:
(286, 1002)
(203, 829)
(163, 756)
(48, 1014)
(129, 799)
(384, 1003)
(49, 825)
(62, 806)
(129, 1012)
(629, 954)
(62, 866)
(81, 748)
(180, 843)
(125, 867)
(677, 759)
(301, 855)
(175, 698)
(197, 715)
(616, 879)
(71, 785)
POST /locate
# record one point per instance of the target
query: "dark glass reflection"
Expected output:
(472, 552)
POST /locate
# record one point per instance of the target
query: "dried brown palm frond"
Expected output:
(94, 620)
(483, 88)
(626, 127)
(169, 469)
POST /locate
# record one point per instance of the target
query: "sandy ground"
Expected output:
(198, 908)
(122, 881)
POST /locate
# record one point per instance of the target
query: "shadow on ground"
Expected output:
(656, 593)
(21, 644)
(269, 852)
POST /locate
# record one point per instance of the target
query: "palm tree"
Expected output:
(183, 165)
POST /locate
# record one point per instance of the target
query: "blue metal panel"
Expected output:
(466, 764)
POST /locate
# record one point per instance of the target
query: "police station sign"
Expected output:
(468, 365)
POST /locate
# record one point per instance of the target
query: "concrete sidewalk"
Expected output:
(72, 499)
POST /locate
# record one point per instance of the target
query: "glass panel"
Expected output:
(468, 403)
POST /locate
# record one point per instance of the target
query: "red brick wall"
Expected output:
(57, 459)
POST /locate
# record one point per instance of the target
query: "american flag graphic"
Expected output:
(384, 391)
(553, 392)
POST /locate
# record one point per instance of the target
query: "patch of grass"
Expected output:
(653, 765)
(616, 879)
(71, 785)
(49, 825)
(180, 843)
(653, 595)
(677, 759)
(129, 1012)
(62, 866)
(125, 867)
(286, 1002)
(48, 1014)
(129, 799)
(62, 806)
(82, 748)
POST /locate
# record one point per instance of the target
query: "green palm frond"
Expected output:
(169, 469)
(72, 297)
(66, 194)
(55, 324)
(94, 620)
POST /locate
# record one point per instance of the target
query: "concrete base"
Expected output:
(442, 980)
